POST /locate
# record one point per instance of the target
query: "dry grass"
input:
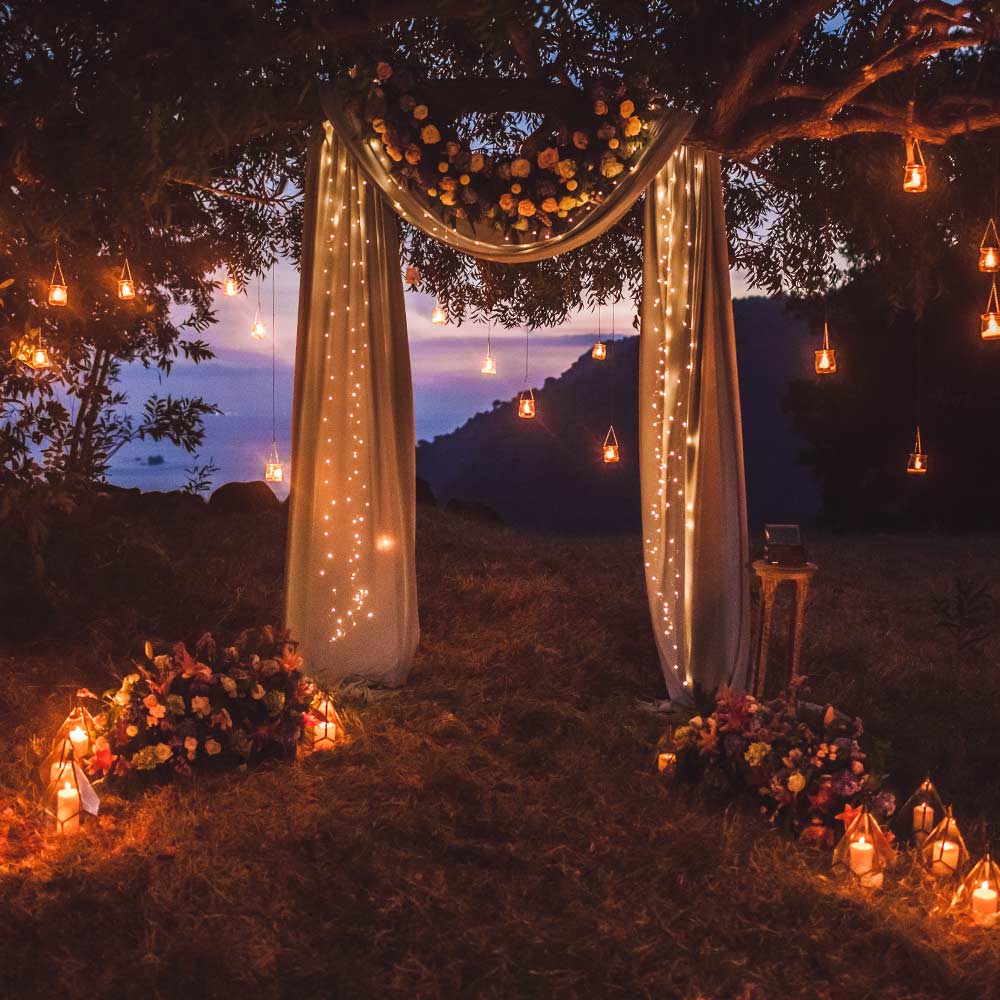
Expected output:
(496, 828)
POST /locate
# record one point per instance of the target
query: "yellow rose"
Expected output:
(521, 167)
(566, 203)
(796, 782)
(430, 135)
(562, 215)
(447, 197)
(476, 162)
(420, 112)
(464, 179)
(521, 224)
(613, 143)
(432, 192)
(633, 126)
(548, 158)
(442, 168)
(611, 166)
(506, 202)
(448, 184)
(394, 153)
(131, 731)
(571, 185)
(580, 139)
(526, 207)
(566, 168)
(626, 109)
(550, 205)
(600, 108)
(162, 752)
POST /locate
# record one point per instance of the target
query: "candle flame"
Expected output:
(985, 885)
(77, 733)
(861, 840)
(67, 787)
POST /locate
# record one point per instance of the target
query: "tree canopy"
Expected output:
(174, 134)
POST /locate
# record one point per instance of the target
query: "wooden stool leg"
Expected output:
(767, 590)
(798, 625)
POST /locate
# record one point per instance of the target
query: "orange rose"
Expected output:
(420, 112)
(580, 139)
(383, 71)
(600, 108)
(571, 185)
(447, 197)
(550, 205)
(464, 179)
(626, 109)
(613, 143)
(566, 169)
(378, 125)
(394, 153)
(442, 167)
(453, 148)
(430, 135)
(521, 167)
(515, 188)
(476, 162)
(548, 158)
(633, 126)
(526, 207)
(413, 153)
(506, 202)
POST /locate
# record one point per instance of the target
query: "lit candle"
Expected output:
(945, 856)
(923, 815)
(68, 809)
(80, 740)
(984, 904)
(59, 769)
(324, 735)
(862, 857)
(665, 761)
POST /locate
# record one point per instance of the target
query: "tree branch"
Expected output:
(254, 199)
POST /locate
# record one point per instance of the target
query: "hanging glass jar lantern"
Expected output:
(944, 851)
(917, 462)
(978, 895)
(58, 292)
(35, 356)
(600, 351)
(915, 171)
(526, 405)
(611, 450)
(826, 358)
(230, 286)
(258, 331)
(864, 853)
(489, 365)
(126, 286)
(989, 249)
(274, 471)
(990, 320)
(920, 813)
(439, 317)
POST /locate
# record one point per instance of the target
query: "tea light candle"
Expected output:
(945, 856)
(324, 736)
(923, 817)
(862, 857)
(80, 740)
(68, 809)
(984, 903)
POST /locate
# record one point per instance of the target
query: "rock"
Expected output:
(111, 499)
(175, 503)
(425, 495)
(244, 498)
(473, 510)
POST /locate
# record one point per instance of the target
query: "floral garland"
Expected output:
(218, 707)
(528, 197)
(802, 763)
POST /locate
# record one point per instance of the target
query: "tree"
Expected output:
(176, 136)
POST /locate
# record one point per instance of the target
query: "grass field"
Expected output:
(497, 827)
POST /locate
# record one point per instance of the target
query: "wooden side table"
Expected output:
(771, 577)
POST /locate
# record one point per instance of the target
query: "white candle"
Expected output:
(862, 857)
(80, 740)
(945, 856)
(60, 770)
(68, 809)
(984, 904)
(324, 736)
(923, 817)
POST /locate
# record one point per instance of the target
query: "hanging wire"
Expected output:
(525, 356)
(274, 337)
(611, 361)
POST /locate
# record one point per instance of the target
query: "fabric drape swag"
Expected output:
(351, 592)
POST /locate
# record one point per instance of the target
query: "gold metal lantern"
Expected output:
(58, 291)
(864, 853)
(126, 286)
(920, 813)
(915, 171)
(526, 405)
(610, 450)
(989, 249)
(917, 463)
(978, 894)
(324, 733)
(826, 357)
(944, 852)
(990, 320)
(600, 351)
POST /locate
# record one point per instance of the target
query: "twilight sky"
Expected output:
(447, 385)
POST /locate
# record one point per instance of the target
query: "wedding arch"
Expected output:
(351, 592)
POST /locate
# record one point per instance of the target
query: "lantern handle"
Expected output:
(993, 303)
(996, 236)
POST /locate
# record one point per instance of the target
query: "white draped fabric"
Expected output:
(351, 592)
(690, 443)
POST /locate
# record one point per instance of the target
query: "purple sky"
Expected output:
(447, 385)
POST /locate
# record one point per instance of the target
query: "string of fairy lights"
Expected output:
(915, 182)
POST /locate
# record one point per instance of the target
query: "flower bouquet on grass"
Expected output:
(801, 763)
(209, 708)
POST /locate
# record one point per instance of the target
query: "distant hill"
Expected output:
(547, 474)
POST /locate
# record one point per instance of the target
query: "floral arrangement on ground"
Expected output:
(527, 196)
(220, 706)
(801, 763)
